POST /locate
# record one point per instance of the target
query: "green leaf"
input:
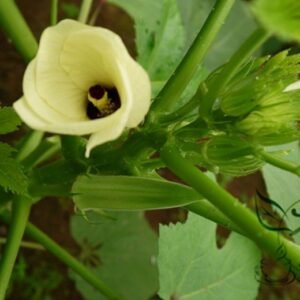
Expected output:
(5, 150)
(239, 25)
(279, 17)
(169, 34)
(122, 252)
(12, 176)
(191, 267)
(193, 14)
(129, 193)
(190, 90)
(9, 120)
(158, 29)
(283, 187)
(55, 179)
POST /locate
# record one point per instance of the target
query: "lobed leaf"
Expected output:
(122, 250)
(284, 187)
(158, 29)
(9, 120)
(239, 25)
(195, 269)
(12, 176)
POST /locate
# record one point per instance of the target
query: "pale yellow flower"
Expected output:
(83, 82)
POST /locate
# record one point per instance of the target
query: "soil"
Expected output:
(53, 215)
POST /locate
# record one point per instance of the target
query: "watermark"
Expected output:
(271, 210)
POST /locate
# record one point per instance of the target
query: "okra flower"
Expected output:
(83, 82)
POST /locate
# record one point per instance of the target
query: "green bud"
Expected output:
(274, 121)
(264, 104)
(239, 102)
(239, 98)
(231, 155)
(268, 80)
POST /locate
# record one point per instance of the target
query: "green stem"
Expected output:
(70, 261)
(280, 163)
(29, 143)
(17, 30)
(25, 244)
(53, 12)
(66, 258)
(206, 210)
(202, 208)
(230, 69)
(152, 164)
(45, 150)
(182, 112)
(96, 12)
(247, 221)
(85, 10)
(20, 213)
(194, 57)
(187, 108)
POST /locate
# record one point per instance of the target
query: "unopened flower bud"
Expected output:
(231, 155)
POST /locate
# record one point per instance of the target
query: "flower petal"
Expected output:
(28, 116)
(141, 89)
(293, 86)
(108, 134)
(37, 103)
(98, 49)
(118, 119)
(33, 120)
(52, 82)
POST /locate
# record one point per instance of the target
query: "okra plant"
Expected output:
(202, 99)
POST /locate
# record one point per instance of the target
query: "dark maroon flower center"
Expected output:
(97, 91)
(102, 102)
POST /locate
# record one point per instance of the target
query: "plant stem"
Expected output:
(45, 150)
(70, 261)
(208, 211)
(53, 12)
(25, 244)
(28, 144)
(187, 108)
(85, 10)
(188, 66)
(17, 30)
(20, 213)
(230, 69)
(65, 257)
(280, 163)
(96, 12)
(182, 112)
(267, 240)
